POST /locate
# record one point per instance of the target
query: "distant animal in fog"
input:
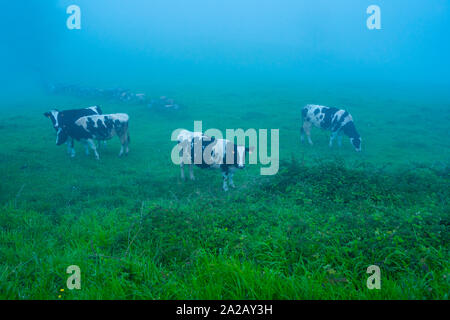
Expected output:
(98, 127)
(338, 121)
(164, 104)
(115, 94)
(208, 152)
(62, 119)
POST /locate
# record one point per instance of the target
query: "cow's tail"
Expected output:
(127, 132)
(304, 113)
(302, 130)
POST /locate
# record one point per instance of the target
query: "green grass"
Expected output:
(310, 232)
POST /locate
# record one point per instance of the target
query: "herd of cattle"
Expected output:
(91, 124)
(115, 95)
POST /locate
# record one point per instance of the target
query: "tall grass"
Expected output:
(308, 233)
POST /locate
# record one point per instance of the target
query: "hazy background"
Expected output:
(137, 43)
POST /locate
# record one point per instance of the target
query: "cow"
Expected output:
(61, 119)
(338, 121)
(208, 152)
(99, 127)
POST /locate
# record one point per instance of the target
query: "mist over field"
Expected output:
(227, 41)
(137, 230)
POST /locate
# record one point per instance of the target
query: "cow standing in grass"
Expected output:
(338, 121)
(208, 152)
(61, 119)
(98, 127)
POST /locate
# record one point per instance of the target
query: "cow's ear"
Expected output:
(47, 114)
(250, 150)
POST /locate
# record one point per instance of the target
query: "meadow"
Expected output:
(310, 232)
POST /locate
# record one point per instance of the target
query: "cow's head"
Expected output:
(355, 138)
(356, 142)
(53, 116)
(239, 155)
(61, 136)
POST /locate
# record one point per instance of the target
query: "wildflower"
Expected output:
(331, 271)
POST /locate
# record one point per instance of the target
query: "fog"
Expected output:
(199, 41)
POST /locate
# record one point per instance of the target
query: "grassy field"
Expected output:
(310, 232)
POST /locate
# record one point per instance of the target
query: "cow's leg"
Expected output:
(182, 170)
(302, 134)
(127, 142)
(332, 137)
(225, 181)
(93, 147)
(72, 149)
(307, 130)
(123, 147)
(230, 180)
(340, 139)
(191, 171)
(124, 139)
(181, 162)
(86, 147)
(101, 143)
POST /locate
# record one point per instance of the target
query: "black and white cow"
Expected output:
(208, 152)
(338, 121)
(61, 119)
(97, 127)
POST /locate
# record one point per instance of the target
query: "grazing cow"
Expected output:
(208, 152)
(338, 121)
(99, 127)
(61, 119)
